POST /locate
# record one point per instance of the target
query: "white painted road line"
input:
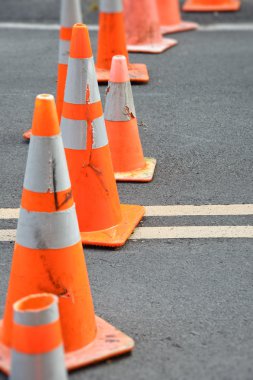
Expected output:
(193, 232)
(203, 210)
(238, 27)
(171, 210)
(186, 232)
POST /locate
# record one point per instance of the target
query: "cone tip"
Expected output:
(119, 69)
(45, 119)
(35, 302)
(80, 42)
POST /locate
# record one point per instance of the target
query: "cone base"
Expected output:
(27, 135)
(109, 342)
(191, 6)
(183, 26)
(118, 235)
(140, 175)
(156, 48)
(138, 73)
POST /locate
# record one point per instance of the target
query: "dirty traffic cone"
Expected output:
(70, 15)
(127, 156)
(170, 18)
(48, 254)
(37, 347)
(102, 220)
(112, 41)
(143, 28)
(211, 5)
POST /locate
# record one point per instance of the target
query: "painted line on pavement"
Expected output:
(171, 210)
(239, 27)
(187, 232)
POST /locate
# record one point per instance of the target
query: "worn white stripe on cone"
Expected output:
(119, 105)
(99, 133)
(74, 133)
(46, 168)
(71, 13)
(64, 48)
(43, 230)
(110, 6)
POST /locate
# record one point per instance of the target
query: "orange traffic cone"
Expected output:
(112, 41)
(127, 156)
(102, 221)
(170, 18)
(37, 347)
(143, 29)
(211, 5)
(70, 15)
(48, 254)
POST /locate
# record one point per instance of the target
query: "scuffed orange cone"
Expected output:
(211, 5)
(102, 220)
(48, 254)
(143, 33)
(37, 347)
(70, 15)
(112, 41)
(127, 156)
(170, 18)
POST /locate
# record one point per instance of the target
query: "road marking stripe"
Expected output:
(187, 232)
(193, 232)
(239, 27)
(172, 210)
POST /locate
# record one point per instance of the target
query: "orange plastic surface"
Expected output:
(138, 73)
(211, 5)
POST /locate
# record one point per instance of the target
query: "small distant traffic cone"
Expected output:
(127, 156)
(170, 18)
(102, 220)
(48, 255)
(112, 41)
(143, 29)
(70, 14)
(211, 5)
(37, 347)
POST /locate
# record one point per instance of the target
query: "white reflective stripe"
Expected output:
(99, 133)
(110, 6)
(74, 133)
(64, 48)
(48, 366)
(43, 230)
(36, 318)
(46, 168)
(119, 105)
(70, 13)
(81, 75)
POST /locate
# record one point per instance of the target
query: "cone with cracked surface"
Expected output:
(143, 33)
(70, 14)
(48, 254)
(102, 220)
(37, 347)
(211, 5)
(128, 160)
(170, 18)
(112, 41)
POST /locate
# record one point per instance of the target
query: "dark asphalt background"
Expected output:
(187, 303)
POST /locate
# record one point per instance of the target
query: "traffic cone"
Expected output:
(143, 29)
(127, 156)
(48, 254)
(37, 347)
(211, 5)
(102, 221)
(70, 14)
(170, 18)
(112, 41)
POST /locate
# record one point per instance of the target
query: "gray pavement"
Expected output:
(187, 303)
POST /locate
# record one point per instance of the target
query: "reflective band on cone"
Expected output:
(112, 40)
(48, 257)
(102, 220)
(143, 33)
(170, 18)
(37, 347)
(211, 5)
(128, 160)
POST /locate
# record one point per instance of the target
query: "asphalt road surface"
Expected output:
(186, 302)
